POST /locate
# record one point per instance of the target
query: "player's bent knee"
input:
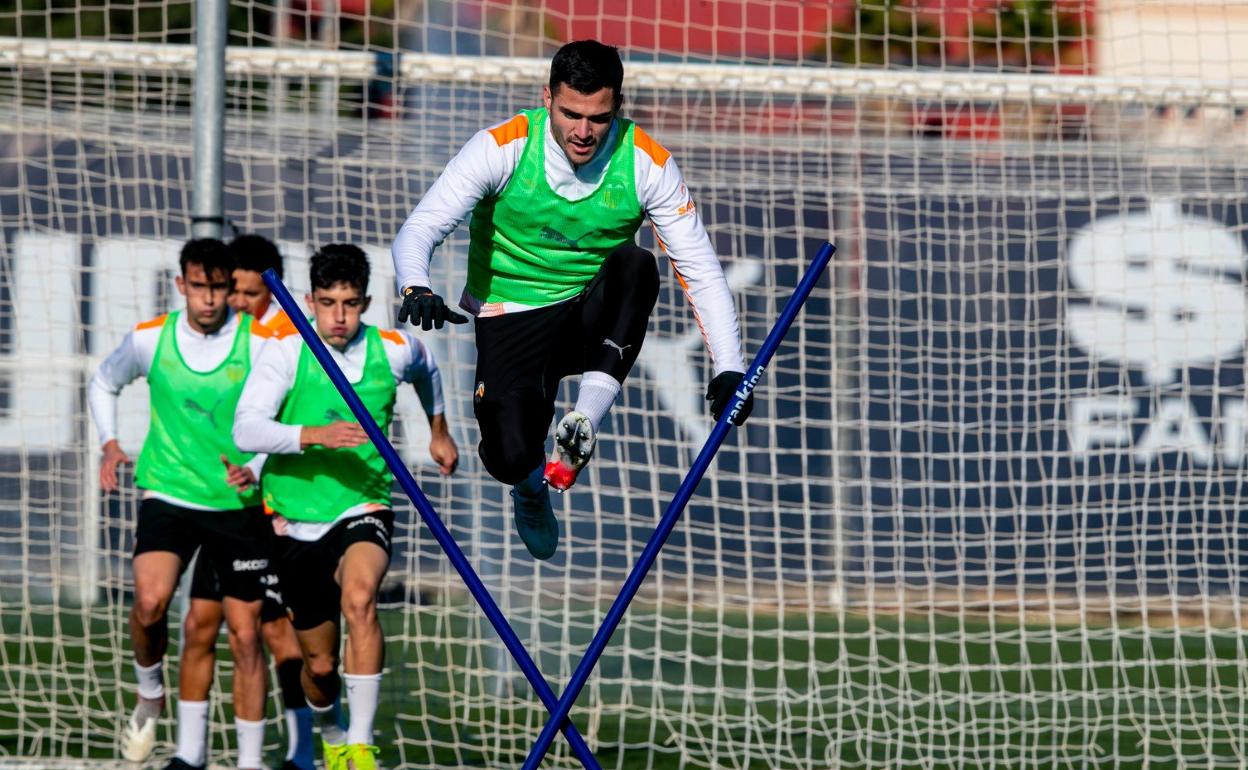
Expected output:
(359, 605)
(321, 667)
(513, 432)
(198, 637)
(150, 607)
(509, 464)
(244, 643)
(199, 627)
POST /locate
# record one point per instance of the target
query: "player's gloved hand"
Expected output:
(425, 309)
(719, 392)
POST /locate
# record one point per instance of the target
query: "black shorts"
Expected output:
(206, 584)
(307, 569)
(521, 357)
(238, 545)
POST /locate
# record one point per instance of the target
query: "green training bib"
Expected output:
(532, 247)
(319, 484)
(192, 419)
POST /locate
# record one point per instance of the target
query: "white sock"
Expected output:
(250, 743)
(329, 719)
(151, 680)
(192, 731)
(596, 394)
(363, 694)
(299, 737)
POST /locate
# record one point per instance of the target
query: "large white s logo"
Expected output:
(1166, 290)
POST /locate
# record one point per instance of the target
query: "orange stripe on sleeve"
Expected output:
(390, 335)
(696, 316)
(516, 128)
(657, 152)
(157, 321)
(662, 245)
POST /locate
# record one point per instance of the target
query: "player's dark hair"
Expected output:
(587, 66)
(256, 253)
(340, 263)
(208, 253)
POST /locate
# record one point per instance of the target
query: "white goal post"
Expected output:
(172, 58)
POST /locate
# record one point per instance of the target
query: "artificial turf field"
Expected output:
(932, 691)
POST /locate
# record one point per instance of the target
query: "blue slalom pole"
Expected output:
(559, 714)
(430, 517)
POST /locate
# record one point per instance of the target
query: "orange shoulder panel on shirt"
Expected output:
(276, 333)
(282, 332)
(516, 128)
(260, 330)
(157, 321)
(280, 325)
(390, 335)
(657, 152)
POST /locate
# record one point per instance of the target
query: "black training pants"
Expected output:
(521, 357)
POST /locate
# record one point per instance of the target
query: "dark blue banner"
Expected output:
(1055, 385)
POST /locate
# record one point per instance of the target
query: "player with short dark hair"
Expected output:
(555, 280)
(587, 67)
(199, 491)
(330, 489)
(252, 255)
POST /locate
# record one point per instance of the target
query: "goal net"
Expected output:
(987, 513)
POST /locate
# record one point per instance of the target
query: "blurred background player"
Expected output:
(197, 492)
(331, 490)
(555, 281)
(251, 256)
(202, 626)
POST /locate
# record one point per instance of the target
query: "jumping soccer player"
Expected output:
(330, 489)
(198, 490)
(554, 278)
(251, 256)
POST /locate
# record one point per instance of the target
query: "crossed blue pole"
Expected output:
(559, 714)
(427, 513)
(560, 708)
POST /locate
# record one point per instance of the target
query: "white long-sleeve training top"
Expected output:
(256, 428)
(133, 359)
(484, 166)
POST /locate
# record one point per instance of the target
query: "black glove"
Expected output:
(425, 309)
(720, 391)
